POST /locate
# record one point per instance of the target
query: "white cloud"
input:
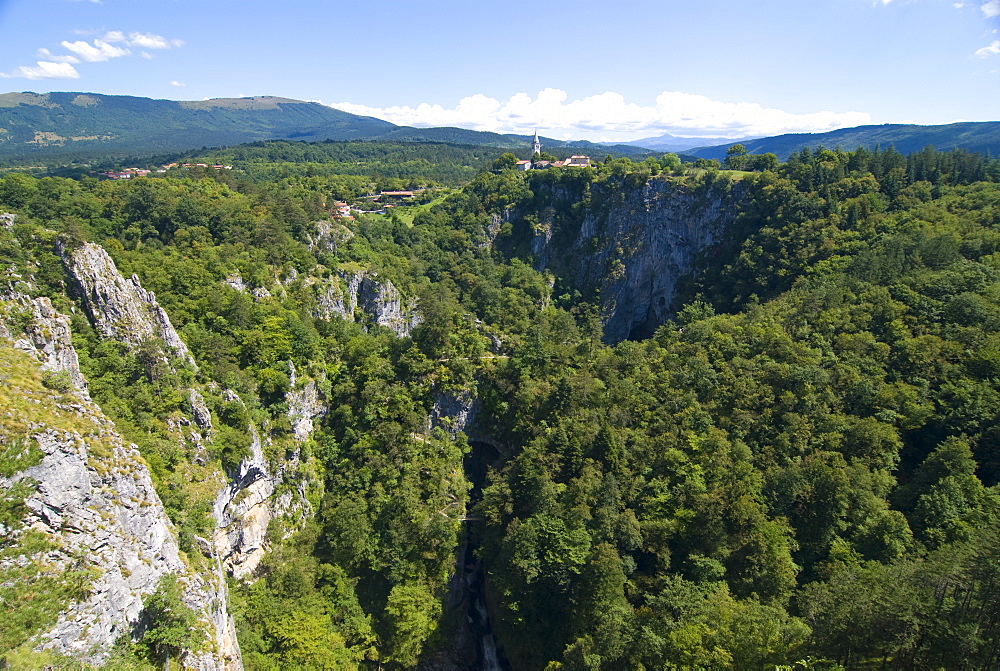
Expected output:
(991, 8)
(151, 41)
(43, 70)
(45, 54)
(148, 56)
(60, 66)
(142, 40)
(609, 116)
(97, 52)
(992, 50)
(177, 83)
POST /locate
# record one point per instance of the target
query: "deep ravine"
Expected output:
(489, 657)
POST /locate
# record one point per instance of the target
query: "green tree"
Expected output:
(171, 626)
(736, 157)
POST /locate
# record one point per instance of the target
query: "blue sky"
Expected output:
(571, 68)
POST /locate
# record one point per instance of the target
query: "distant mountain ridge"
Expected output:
(675, 143)
(71, 126)
(68, 123)
(76, 126)
(973, 136)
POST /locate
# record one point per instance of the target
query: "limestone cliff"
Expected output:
(91, 498)
(329, 236)
(261, 491)
(635, 247)
(305, 403)
(355, 296)
(44, 333)
(247, 502)
(119, 308)
(366, 297)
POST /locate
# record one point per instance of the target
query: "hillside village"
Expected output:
(575, 161)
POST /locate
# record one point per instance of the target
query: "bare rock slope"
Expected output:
(90, 497)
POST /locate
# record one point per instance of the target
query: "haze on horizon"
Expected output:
(574, 69)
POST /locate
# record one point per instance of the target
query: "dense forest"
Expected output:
(972, 136)
(799, 470)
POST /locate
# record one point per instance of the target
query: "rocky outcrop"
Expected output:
(305, 404)
(199, 411)
(119, 308)
(235, 280)
(93, 498)
(380, 300)
(104, 510)
(244, 509)
(634, 249)
(45, 334)
(376, 299)
(360, 296)
(455, 413)
(333, 298)
(329, 236)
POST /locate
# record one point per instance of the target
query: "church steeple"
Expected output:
(536, 147)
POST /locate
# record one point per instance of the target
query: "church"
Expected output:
(536, 148)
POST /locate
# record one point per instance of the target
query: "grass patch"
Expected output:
(351, 267)
(26, 401)
(26, 658)
(19, 454)
(407, 213)
(33, 593)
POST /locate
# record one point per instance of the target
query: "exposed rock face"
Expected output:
(635, 251)
(235, 280)
(334, 299)
(199, 411)
(304, 405)
(455, 413)
(244, 509)
(378, 300)
(209, 596)
(95, 500)
(120, 309)
(111, 516)
(46, 336)
(242, 514)
(329, 236)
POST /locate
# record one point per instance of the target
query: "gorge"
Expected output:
(640, 413)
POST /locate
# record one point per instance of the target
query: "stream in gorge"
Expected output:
(475, 647)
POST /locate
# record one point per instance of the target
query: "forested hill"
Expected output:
(54, 128)
(983, 137)
(797, 467)
(40, 125)
(419, 160)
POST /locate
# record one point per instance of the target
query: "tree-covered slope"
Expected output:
(66, 124)
(983, 137)
(799, 467)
